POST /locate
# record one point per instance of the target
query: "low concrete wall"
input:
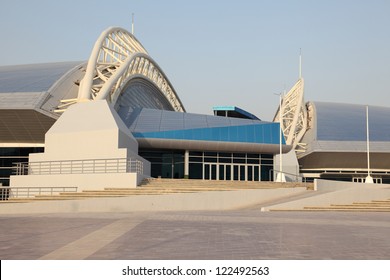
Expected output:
(326, 185)
(211, 200)
(93, 181)
(335, 192)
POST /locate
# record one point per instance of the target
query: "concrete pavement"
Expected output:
(237, 234)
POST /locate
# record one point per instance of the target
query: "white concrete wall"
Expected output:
(335, 192)
(211, 200)
(290, 166)
(86, 131)
(81, 181)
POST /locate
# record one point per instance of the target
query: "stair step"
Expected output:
(329, 210)
(163, 186)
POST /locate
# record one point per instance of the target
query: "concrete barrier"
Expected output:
(211, 200)
(329, 192)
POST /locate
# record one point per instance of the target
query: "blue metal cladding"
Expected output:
(256, 133)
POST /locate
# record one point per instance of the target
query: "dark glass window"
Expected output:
(225, 160)
(196, 159)
(253, 156)
(239, 160)
(210, 159)
(237, 155)
(196, 171)
(226, 155)
(10, 156)
(253, 161)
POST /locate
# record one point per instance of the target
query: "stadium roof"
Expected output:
(28, 96)
(32, 77)
(335, 127)
(347, 122)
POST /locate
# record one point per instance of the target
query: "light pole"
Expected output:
(369, 179)
(280, 175)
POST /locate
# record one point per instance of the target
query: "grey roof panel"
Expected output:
(347, 122)
(20, 100)
(32, 78)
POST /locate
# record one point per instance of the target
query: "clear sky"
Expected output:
(222, 52)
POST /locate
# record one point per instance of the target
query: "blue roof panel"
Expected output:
(263, 133)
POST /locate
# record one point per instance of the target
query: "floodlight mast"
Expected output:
(132, 23)
(369, 179)
(280, 175)
(300, 63)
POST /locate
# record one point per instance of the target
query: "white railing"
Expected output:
(292, 177)
(121, 165)
(27, 192)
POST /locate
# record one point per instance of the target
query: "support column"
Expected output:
(186, 164)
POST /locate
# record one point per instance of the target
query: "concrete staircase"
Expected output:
(219, 185)
(372, 206)
(161, 187)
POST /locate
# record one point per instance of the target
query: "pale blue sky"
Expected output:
(222, 52)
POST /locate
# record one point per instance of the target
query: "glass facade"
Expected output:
(209, 165)
(230, 166)
(10, 156)
(171, 164)
(165, 163)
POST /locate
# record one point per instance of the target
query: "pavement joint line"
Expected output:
(89, 244)
(269, 220)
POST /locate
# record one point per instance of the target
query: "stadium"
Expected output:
(116, 119)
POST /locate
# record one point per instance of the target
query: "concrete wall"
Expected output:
(335, 192)
(211, 200)
(97, 181)
(290, 166)
(85, 131)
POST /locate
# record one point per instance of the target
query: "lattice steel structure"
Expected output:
(116, 59)
(294, 116)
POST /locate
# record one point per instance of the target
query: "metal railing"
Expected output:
(27, 192)
(118, 165)
(4, 193)
(297, 178)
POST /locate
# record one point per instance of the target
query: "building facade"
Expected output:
(176, 143)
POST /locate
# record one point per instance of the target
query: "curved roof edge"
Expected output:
(116, 56)
(33, 77)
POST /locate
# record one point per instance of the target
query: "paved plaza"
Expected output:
(241, 234)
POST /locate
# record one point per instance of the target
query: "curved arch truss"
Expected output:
(294, 116)
(116, 59)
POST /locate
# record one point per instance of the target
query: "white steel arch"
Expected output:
(118, 57)
(294, 116)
